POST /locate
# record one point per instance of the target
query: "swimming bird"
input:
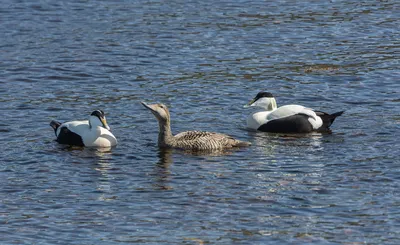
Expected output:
(287, 118)
(94, 132)
(189, 140)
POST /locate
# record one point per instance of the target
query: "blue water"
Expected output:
(205, 60)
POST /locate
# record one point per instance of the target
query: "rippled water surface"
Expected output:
(205, 60)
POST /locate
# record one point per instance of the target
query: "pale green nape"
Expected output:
(272, 105)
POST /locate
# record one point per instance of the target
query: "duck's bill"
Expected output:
(150, 107)
(105, 125)
(249, 104)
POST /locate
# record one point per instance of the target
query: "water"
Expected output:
(205, 60)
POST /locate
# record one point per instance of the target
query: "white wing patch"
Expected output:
(285, 111)
(315, 121)
(290, 110)
(78, 127)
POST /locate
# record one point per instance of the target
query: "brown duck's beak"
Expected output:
(150, 107)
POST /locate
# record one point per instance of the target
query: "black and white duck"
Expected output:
(287, 118)
(94, 132)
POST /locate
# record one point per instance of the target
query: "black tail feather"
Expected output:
(55, 125)
(336, 114)
(327, 119)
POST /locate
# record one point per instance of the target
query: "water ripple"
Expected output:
(205, 60)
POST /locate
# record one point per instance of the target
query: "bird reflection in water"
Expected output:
(162, 171)
(269, 143)
(103, 157)
(100, 159)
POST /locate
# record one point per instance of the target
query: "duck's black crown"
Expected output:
(264, 94)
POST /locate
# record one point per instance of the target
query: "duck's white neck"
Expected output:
(269, 104)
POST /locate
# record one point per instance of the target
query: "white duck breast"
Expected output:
(92, 133)
(288, 118)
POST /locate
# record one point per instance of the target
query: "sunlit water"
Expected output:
(205, 60)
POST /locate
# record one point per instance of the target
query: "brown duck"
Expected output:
(189, 140)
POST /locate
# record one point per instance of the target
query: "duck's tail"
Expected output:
(55, 125)
(327, 119)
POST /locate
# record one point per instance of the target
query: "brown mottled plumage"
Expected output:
(190, 140)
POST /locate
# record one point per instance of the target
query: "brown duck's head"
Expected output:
(160, 111)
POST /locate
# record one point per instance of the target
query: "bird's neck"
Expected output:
(165, 137)
(272, 105)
